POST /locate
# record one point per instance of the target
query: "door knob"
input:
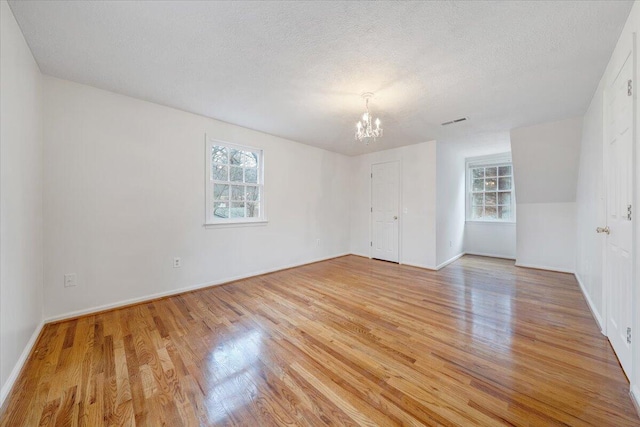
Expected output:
(395, 217)
(603, 230)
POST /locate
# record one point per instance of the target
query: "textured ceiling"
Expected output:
(296, 69)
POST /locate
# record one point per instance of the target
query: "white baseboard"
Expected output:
(490, 255)
(544, 267)
(15, 372)
(111, 306)
(635, 397)
(591, 305)
(449, 261)
(427, 267)
(362, 255)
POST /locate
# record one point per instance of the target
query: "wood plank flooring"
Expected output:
(349, 341)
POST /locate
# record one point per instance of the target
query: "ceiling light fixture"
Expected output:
(365, 132)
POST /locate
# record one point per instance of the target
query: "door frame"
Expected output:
(618, 58)
(399, 162)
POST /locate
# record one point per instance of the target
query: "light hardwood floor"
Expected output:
(349, 341)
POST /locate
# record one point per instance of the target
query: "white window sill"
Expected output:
(473, 221)
(230, 224)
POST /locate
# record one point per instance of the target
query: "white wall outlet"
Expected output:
(70, 280)
(405, 210)
(177, 262)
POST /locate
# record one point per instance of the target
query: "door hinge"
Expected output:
(629, 87)
(371, 209)
(628, 335)
(629, 212)
(371, 244)
(372, 175)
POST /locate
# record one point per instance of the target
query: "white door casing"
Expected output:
(618, 177)
(385, 198)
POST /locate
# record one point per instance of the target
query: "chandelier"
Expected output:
(365, 132)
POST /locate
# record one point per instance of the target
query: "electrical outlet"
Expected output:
(177, 262)
(70, 280)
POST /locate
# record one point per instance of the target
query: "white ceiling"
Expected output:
(296, 69)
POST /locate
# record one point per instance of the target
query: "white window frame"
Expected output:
(497, 160)
(210, 218)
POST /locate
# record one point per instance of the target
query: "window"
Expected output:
(490, 195)
(234, 186)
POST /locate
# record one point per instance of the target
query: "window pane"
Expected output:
(476, 212)
(221, 209)
(253, 193)
(237, 192)
(477, 172)
(490, 212)
(490, 199)
(253, 210)
(504, 198)
(505, 184)
(490, 184)
(504, 171)
(219, 172)
(235, 156)
(220, 192)
(478, 184)
(251, 175)
(219, 154)
(490, 171)
(477, 199)
(236, 174)
(504, 212)
(249, 159)
(237, 210)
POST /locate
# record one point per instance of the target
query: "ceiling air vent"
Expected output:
(450, 122)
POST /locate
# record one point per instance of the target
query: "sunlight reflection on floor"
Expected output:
(232, 366)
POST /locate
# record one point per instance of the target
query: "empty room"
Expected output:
(359, 213)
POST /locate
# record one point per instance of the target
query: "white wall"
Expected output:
(124, 194)
(495, 239)
(418, 198)
(450, 202)
(20, 199)
(546, 236)
(545, 167)
(547, 160)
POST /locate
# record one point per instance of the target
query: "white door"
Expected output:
(385, 197)
(618, 172)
